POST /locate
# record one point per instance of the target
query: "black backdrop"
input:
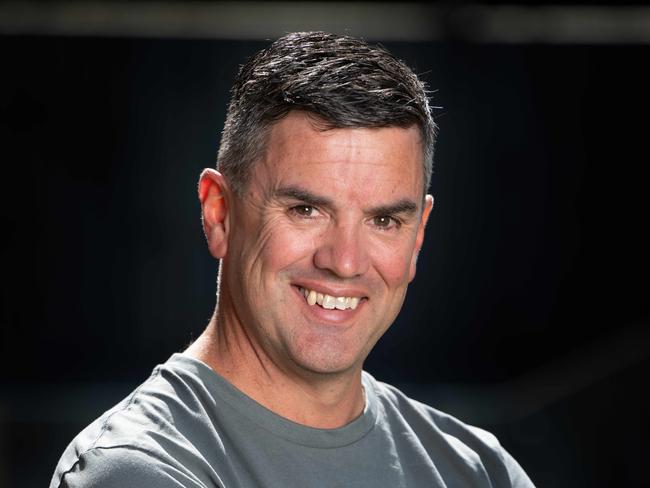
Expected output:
(529, 314)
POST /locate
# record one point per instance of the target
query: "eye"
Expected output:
(385, 222)
(303, 211)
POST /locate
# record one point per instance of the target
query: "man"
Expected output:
(317, 216)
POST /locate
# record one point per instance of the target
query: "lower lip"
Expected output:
(328, 316)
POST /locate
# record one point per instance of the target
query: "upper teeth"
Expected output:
(330, 302)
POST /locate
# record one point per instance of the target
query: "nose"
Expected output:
(342, 251)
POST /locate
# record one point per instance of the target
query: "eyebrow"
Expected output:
(303, 195)
(403, 206)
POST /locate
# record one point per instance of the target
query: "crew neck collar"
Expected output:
(221, 390)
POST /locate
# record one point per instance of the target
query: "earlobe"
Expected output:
(213, 195)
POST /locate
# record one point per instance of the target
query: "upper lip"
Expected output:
(335, 291)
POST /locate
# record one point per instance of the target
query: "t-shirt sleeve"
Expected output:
(518, 477)
(122, 467)
(502, 466)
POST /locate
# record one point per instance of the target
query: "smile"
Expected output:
(329, 302)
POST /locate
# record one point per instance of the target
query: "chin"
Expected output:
(328, 353)
(334, 363)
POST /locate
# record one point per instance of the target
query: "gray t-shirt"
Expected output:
(186, 426)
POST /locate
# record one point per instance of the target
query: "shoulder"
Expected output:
(427, 418)
(148, 439)
(123, 467)
(426, 421)
(445, 436)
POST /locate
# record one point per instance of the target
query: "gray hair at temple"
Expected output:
(342, 81)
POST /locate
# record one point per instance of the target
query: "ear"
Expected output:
(419, 239)
(214, 196)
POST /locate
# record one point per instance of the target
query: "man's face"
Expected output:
(334, 217)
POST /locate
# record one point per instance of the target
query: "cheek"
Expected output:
(393, 263)
(281, 245)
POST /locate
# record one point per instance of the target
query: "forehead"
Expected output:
(362, 161)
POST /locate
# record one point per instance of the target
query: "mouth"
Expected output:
(329, 302)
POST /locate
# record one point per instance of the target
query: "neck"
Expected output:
(317, 400)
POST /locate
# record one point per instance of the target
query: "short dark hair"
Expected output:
(341, 80)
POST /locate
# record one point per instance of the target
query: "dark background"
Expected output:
(529, 314)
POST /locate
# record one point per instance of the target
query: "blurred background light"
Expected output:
(388, 21)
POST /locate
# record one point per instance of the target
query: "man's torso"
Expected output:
(187, 426)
